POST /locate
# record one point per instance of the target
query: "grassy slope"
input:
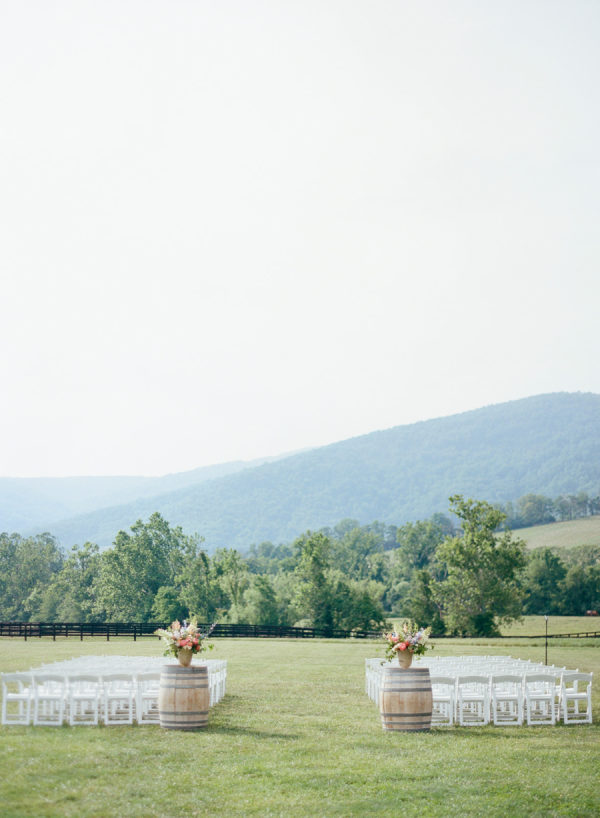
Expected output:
(297, 736)
(562, 535)
(535, 625)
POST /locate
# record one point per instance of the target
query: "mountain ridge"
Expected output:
(547, 444)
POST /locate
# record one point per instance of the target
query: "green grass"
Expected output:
(562, 535)
(297, 736)
(535, 625)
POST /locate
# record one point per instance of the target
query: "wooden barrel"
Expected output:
(405, 699)
(183, 697)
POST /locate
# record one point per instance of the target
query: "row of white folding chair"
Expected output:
(507, 699)
(51, 698)
(217, 669)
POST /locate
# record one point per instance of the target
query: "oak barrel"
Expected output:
(405, 699)
(183, 697)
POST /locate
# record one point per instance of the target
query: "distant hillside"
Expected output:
(29, 502)
(562, 535)
(549, 444)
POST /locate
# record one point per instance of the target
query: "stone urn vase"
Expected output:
(405, 658)
(184, 657)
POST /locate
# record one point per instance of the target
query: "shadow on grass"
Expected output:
(233, 730)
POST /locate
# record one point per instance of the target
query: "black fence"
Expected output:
(138, 630)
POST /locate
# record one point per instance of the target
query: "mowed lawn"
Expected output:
(297, 736)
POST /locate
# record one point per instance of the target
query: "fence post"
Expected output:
(134, 639)
(107, 633)
(54, 631)
(81, 632)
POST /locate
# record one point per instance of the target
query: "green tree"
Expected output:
(167, 606)
(417, 543)
(482, 583)
(140, 563)
(198, 584)
(27, 566)
(261, 604)
(232, 570)
(543, 579)
(420, 603)
(313, 591)
(70, 596)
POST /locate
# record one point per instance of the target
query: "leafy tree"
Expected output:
(535, 509)
(232, 571)
(482, 583)
(70, 596)
(543, 578)
(420, 603)
(581, 590)
(313, 593)
(198, 584)
(261, 605)
(140, 563)
(355, 553)
(27, 566)
(167, 606)
(417, 543)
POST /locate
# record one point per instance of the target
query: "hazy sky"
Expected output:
(232, 229)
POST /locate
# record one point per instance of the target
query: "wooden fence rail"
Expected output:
(138, 630)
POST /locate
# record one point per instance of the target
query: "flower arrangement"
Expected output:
(410, 638)
(186, 637)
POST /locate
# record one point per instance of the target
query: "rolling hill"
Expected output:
(567, 534)
(547, 444)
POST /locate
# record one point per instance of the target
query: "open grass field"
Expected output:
(535, 625)
(562, 535)
(297, 736)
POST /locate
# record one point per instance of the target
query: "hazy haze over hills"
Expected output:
(548, 444)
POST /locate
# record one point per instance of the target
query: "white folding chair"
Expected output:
(507, 699)
(118, 698)
(17, 694)
(571, 697)
(49, 695)
(84, 699)
(444, 700)
(146, 702)
(540, 698)
(473, 699)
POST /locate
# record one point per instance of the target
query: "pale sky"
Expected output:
(234, 229)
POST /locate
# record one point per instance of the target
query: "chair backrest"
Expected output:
(84, 680)
(538, 681)
(45, 679)
(506, 679)
(117, 681)
(472, 681)
(443, 680)
(572, 679)
(15, 682)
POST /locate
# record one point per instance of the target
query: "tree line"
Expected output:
(537, 509)
(464, 575)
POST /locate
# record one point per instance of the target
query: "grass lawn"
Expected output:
(535, 625)
(585, 531)
(297, 736)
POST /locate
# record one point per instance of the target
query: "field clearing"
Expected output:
(535, 625)
(585, 531)
(297, 736)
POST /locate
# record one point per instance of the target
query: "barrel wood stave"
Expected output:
(406, 700)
